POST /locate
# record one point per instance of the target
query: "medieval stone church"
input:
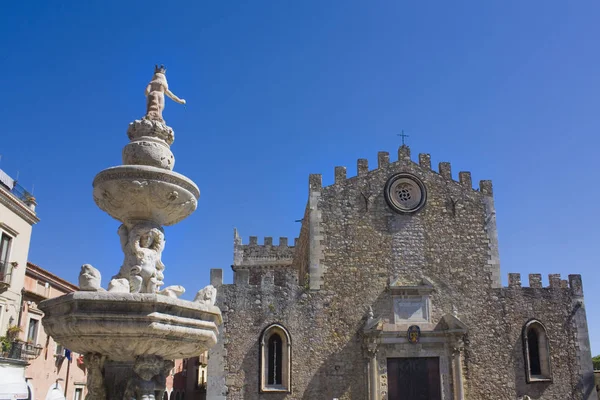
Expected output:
(393, 291)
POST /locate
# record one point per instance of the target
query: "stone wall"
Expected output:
(352, 246)
(554, 307)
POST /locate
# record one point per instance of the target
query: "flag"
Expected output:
(68, 354)
(80, 363)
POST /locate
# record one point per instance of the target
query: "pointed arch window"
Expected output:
(536, 350)
(275, 359)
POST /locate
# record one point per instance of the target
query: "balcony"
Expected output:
(17, 190)
(19, 350)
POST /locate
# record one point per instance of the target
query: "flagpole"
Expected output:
(67, 378)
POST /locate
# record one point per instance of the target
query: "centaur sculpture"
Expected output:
(155, 94)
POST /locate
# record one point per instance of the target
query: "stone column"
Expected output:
(372, 348)
(459, 393)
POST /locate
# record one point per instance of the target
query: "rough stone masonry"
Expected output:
(364, 270)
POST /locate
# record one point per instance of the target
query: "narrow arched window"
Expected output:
(533, 347)
(275, 360)
(536, 352)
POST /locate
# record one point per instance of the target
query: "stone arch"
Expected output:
(536, 352)
(275, 359)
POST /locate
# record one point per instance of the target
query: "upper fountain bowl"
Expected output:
(131, 193)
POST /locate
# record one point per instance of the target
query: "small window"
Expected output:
(536, 352)
(201, 381)
(78, 394)
(4, 253)
(32, 331)
(275, 350)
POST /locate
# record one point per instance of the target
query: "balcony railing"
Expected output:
(21, 193)
(19, 350)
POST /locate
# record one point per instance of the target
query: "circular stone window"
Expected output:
(405, 193)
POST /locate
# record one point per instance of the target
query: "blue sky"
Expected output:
(276, 90)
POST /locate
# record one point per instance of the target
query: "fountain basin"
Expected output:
(123, 326)
(132, 193)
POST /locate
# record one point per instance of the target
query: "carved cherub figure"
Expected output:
(150, 380)
(155, 94)
(142, 267)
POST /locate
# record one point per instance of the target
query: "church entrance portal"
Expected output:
(414, 378)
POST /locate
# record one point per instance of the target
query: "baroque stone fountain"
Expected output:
(130, 332)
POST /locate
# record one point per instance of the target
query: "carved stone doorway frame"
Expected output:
(445, 342)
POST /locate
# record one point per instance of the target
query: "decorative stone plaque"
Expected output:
(411, 308)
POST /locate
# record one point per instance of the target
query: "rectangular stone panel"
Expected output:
(411, 308)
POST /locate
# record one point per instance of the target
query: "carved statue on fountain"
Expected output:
(95, 381)
(155, 94)
(149, 383)
(142, 267)
(89, 279)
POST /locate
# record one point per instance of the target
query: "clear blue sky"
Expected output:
(276, 90)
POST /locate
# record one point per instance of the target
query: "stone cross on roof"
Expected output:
(403, 136)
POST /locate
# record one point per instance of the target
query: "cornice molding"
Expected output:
(17, 206)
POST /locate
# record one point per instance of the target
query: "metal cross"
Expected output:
(402, 135)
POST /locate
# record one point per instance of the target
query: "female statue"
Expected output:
(155, 93)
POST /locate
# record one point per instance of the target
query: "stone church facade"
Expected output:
(393, 291)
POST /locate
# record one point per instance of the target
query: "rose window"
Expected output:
(405, 193)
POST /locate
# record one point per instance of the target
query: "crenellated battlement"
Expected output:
(267, 254)
(267, 241)
(383, 160)
(573, 283)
